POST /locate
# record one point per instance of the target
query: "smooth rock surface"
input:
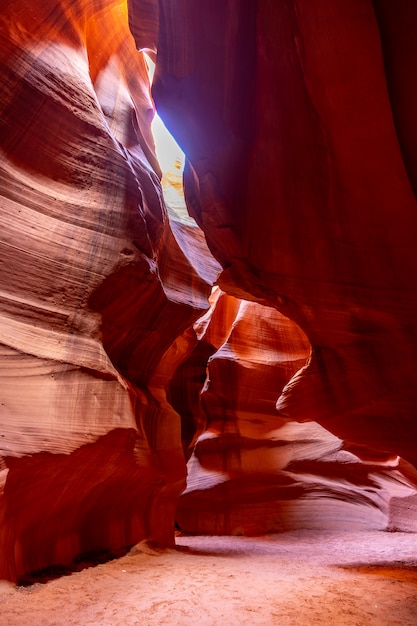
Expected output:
(291, 391)
(301, 177)
(95, 288)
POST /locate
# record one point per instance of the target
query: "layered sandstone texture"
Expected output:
(251, 471)
(96, 284)
(297, 121)
(302, 177)
(289, 394)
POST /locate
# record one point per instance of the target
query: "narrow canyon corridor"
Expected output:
(208, 346)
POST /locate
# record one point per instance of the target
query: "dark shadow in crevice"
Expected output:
(80, 562)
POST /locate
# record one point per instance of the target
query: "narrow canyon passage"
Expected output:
(220, 353)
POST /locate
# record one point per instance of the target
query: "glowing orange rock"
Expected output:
(301, 184)
(95, 288)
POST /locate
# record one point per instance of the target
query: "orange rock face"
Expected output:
(301, 182)
(95, 289)
(252, 471)
(301, 176)
(116, 369)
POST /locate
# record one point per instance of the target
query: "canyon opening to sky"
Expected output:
(208, 362)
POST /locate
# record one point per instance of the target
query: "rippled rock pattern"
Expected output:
(302, 178)
(298, 122)
(251, 471)
(96, 286)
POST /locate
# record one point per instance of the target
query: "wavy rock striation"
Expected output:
(297, 121)
(301, 177)
(251, 471)
(95, 288)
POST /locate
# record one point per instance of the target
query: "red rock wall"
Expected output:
(311, 207)
(251, 471)
(295, 117)
(95, 289)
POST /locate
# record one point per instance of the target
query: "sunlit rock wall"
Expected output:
(251, 471)
(298, 121)
(94, 290)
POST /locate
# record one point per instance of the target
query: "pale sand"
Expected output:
(296, 578)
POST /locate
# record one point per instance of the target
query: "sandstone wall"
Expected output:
(291, 393)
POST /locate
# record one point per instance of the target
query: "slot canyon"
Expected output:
(224, 350)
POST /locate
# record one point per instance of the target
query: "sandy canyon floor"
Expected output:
(295, 578)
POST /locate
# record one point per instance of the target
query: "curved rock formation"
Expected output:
(95, 288)
(300, 180)
(297, 121)
(252, 472)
